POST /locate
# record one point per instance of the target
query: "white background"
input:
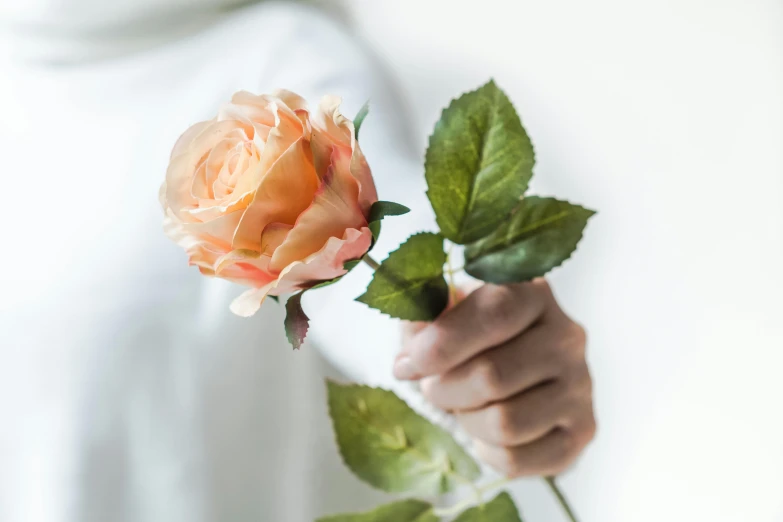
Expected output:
(667, 117)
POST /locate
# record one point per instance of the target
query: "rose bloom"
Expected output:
(269, 196)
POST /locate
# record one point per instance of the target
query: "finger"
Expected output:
(537, 356)
(523, 418)
(411, 328)
(487, 317)
(549, 455)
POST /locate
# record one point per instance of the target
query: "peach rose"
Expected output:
(269, 196)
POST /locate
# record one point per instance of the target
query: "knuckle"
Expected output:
(542, 285)
(428, 388)
(577, 335)
(488, 378)
(502, 423)
(580, 385)
(498, 307)
(571, 342)
(512, 465)
(434, 352)
(586, 430)
(565, 452)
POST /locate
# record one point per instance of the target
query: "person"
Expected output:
(135, 394)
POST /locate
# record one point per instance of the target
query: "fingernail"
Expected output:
(404, 369)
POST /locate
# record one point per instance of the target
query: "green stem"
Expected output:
(561, 498)
(478, 498)
(372, 263)
(453, 510)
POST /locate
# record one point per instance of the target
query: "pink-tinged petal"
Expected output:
(333, 210)
(284, 192)
(325, 264)
(361, 171)
(248, 303)
(274, 234)
(330, 130)
(333, 130)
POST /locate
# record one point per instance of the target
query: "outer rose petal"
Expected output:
(325, 264)
(333, 130)
(361, 171)
(219, 231)
(185, 141)
(333, 210)
(284, 192)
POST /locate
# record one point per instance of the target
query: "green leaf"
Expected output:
(500, 509)
(401, 511)
(274, 298)
(391, 447)
(359, 119)
(539, 235)
(381, 209)
(478, 164)
(296, 321)
(409, 284)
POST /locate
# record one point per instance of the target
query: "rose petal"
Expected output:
(284, 192)
(333, 210)
(248, 303)
(361, 171)
(185, 141)
(331, 129)
(327, 263)
(182, 168)
(273, 236)
(323, 265)
(220, 230)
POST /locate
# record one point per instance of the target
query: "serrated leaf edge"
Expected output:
(568, 257)
(358, 299)
(437, 124)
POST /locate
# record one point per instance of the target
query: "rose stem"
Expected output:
(372, 263)
(561, 498)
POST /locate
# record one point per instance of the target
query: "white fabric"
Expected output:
(131, 392)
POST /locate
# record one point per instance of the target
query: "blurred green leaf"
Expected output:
(296, 321)
(401, 511)
(391, 447)
(500, 509)
(409, 284)
(478, 164)
(540, 235)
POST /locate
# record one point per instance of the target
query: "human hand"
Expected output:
(510, 365)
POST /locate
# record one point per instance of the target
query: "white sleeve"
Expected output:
(360, 342)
